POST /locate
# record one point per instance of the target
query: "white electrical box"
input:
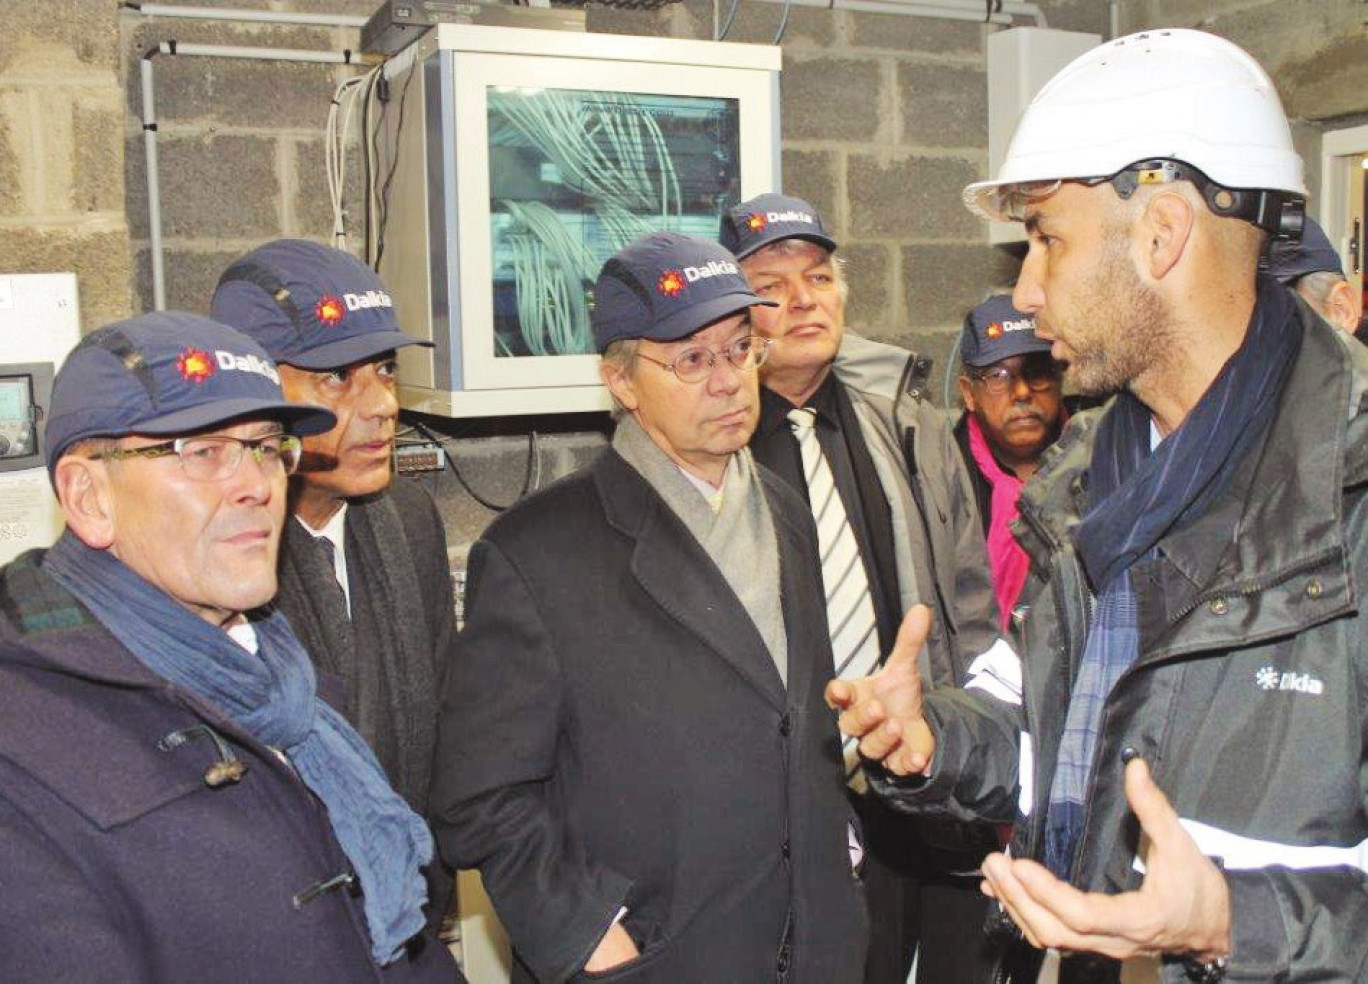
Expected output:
(39, 325)
(515, 162)
(1020, 62)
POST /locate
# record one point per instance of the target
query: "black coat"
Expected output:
(117, 862)
(615, 733)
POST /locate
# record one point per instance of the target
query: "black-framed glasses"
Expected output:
(693, 365)
(214, 457)
(1039, 372)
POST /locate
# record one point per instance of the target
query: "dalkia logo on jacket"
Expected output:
(1271, 678)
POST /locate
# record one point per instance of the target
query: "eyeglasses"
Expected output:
(1038, 373)
(214, 457)
(696, 364)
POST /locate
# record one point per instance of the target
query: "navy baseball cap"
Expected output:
(310, 306)
(163, 374)
(666, 286)
(769, 218)
(1288, 262)
(995, 331)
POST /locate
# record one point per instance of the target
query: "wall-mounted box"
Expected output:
(1020, 61)
(514, 162)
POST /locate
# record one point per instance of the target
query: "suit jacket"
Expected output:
(614, 733)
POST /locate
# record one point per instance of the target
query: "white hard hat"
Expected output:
(1159, 96)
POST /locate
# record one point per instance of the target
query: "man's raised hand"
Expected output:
(884, 710)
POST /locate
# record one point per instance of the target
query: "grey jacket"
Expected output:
(938, 537)
(1248, 698)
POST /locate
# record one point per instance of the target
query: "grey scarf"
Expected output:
(384, 651)
(739, 536)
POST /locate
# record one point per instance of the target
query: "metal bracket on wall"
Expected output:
(149, 123)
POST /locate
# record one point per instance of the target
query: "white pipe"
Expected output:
(966, 10)
(920, 10)
(268, 54)
(154, 224)
(236, 14)
(149, 120)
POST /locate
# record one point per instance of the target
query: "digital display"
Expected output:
(576, 175)
(17, 437)
(14, 399)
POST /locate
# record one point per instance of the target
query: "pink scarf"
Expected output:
(1007, 562)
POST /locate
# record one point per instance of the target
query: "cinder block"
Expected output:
(217, 186)
(758, 23)
(941, 283)
(87, 29)
(645, 23)
(910, 198)
(100, 258)
(97, 131)
(832, 99)
(13, 117)
(1139, 15)
(312, 209)
(868, 269)
(813, 176)
(1088, 16)
(943, 106)
(905, 33)
(190, 277)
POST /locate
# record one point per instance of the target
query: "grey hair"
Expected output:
(621, 354)
(1316, 287)
(793, 245)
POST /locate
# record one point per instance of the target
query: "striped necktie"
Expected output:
(849, 607)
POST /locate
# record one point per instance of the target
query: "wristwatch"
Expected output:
(1205, 971)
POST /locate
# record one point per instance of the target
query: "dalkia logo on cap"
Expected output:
(998, 328)
(712, 268)
(671, 282)
(329, 310)
(245, 363)
(370, 299)
(195, 365)
(755, 222)
(792, 216)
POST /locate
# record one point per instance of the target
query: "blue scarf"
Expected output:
(271, 695)
(1141, 497)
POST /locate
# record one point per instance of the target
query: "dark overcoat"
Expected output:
(615, 733)
(118, 862)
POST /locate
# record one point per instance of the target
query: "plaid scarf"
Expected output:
(1141, 497)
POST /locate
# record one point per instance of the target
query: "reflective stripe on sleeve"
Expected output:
(1025, 774)
(1238, 852)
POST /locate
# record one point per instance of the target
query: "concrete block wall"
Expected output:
(61, 155)
(884, 121)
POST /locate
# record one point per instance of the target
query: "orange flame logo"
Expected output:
(671, 282)
(755, 222)
(195, 365)
(994, 330)
(329, 310)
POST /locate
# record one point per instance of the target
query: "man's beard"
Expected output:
(1122, 330)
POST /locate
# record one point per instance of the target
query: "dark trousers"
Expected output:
(916, 906)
